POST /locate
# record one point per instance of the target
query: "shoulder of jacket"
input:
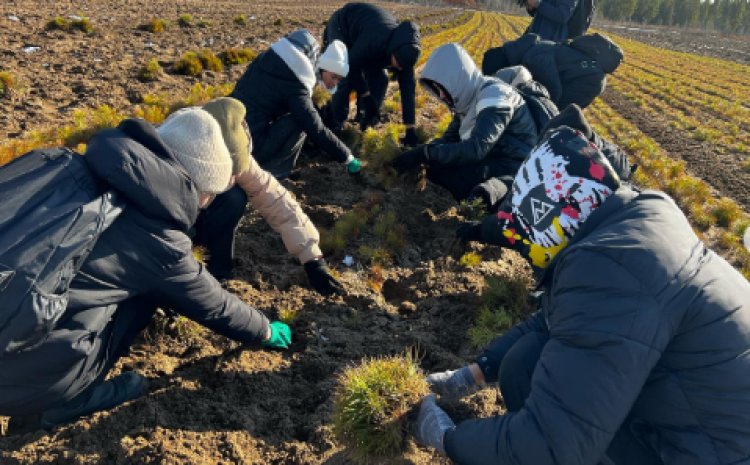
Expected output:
(496, 94)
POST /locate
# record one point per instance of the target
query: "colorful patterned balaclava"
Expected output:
(563, 180)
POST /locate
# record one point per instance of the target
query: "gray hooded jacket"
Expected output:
(490, 117)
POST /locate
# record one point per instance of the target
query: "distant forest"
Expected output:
(722, 15)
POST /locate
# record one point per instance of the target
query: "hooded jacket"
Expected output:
(280, 81)
(551, 19)
(490, 117)
(371, 35)
(569, 75)
(648, 330)
(145, 253)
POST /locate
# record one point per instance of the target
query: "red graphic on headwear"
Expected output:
(571, 212)
(503, 215)
(596, 171)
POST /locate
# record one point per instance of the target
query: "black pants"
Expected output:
(337, 110)
(215, 230)
(514, 375)
(277, 148)
(460, 180)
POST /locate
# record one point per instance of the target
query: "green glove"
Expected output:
(354, 166)
(281, 336)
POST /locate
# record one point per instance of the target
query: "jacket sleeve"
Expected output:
(281, 211)
(606, 335)
(540, 61)
(451, 132)
(489, 126)
(559, 11)
(492, 356)
(190, 290)
(408, 87)
(358, 57)
(307, 117)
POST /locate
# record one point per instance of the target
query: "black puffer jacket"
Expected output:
(646, 327)
(280, 81)
(371, 35)
(569, 75)
(145, 253)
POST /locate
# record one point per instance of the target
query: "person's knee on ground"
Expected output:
(516, 369)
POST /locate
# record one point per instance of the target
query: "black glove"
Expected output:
(411, 159)
(370, 113)
(470, 231)
(320, 278)
(410, 139)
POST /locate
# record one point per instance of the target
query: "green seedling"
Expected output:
(371, 405)
(151, 71)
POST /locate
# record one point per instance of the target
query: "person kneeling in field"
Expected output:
(142, 261)
(573, 72)
(491, 133)
(217, 224)
(277, 90)
(640, 351)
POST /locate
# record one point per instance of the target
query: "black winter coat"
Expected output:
(551, 19)
(371, 35)
(569, 75)
(145, 253)
(270, 89)
(648, 330)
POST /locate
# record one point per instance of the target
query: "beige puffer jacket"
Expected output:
(281, 211)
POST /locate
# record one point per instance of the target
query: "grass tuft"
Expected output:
(371, 405)
(151, 71)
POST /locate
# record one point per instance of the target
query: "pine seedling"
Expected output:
(185, 20)
(189, 64)
(155, 26)
(371, 405)
(7, 81)
(472, 210)
(320, 96)
(58, 23)
(726, 212)
(288, 315)
(151, 71)
(488, 325)
(82, 24)
(505, 301)
(240, 20)
(237, 56)
(204, 23)
(210, 61)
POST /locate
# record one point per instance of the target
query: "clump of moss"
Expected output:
(371, 405)
(155, 26)
(151, 71)
(185, 20)
(237, 56)
(7, 81)
(240, 20)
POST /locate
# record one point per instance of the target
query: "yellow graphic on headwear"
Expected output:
(540, 256)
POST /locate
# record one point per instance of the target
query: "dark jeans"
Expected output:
(277, 148)
(460, 180)
(337, 109)
(215, 230)
(514, 376)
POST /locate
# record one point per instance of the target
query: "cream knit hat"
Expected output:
(335, 59)
(195, 138)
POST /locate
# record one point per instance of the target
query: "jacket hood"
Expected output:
(451, 67)
(134, 161)
(299, 51)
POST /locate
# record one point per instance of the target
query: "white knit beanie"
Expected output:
(195, 138)
(335, 59)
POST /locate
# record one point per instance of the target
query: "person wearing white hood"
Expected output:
(491, 133)
(276, 90)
